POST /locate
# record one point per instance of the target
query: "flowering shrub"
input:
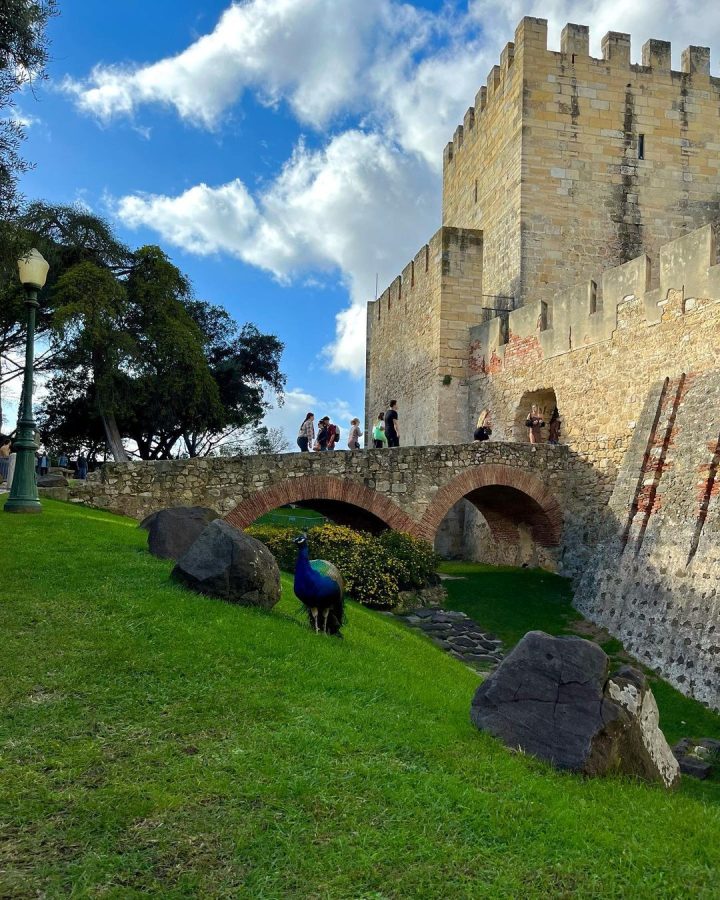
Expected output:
(375, 569)
(414, 561)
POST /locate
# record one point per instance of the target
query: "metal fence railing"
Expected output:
(293, 521)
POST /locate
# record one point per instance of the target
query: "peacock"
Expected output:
(320, 588)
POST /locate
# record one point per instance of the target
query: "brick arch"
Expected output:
(496, 486)
(320, 487)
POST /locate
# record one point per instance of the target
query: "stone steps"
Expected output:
(457, 634)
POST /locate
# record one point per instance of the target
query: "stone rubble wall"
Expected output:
(655, 579)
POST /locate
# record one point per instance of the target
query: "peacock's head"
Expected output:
(300, 540)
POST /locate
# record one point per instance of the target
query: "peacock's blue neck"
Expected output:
(302, 564)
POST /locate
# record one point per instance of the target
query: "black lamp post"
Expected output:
(23, 498)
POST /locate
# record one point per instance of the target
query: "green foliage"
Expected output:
(414, 561)
(23, 57)
(374, 568)
(159, 743)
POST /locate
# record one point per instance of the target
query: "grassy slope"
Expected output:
(157, 742)
(512, 602)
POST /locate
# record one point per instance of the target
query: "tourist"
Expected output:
(534, 423)
(554, 427)
(483, 429)
(378, 433)
(82, 467)
(4, 460)
(333, 436)
(63, 461)
(392, 430)
(323, 434)
(306, 435)
(43, 464)
(355, 434)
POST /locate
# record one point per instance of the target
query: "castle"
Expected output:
(577, 267)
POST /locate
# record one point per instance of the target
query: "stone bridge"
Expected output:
(408, 488)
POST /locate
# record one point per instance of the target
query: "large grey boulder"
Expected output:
(51, 481)
(552, 697)
(171, 532)
(225, 562)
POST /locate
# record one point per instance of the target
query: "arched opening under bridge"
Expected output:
(342, 501)
(496, 514)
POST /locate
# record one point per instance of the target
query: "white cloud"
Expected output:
(366, 202)
(306, 51)
(358, 207)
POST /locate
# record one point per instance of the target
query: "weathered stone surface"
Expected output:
(697, 758)
(52, 481)
(552, 697)
(171, 532)
(224, 562)
(455, 633)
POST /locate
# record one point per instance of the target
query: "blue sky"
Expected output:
(282, 152)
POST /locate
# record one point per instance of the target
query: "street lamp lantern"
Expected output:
(33, 270)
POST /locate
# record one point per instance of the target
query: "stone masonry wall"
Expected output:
(655, 580)
(418, 339)
(637, 386)
(601, 365)
(570, 164)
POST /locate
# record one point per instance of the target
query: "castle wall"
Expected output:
(654, 581)
(482, 172)
(637, 388)
(601, 364)
(418, 340)
(550, 164)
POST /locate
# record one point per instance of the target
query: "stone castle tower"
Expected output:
(565, 166)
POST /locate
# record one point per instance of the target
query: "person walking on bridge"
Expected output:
(392, 428)
(306, 435)
(378, 433)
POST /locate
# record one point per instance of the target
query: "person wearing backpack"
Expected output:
(323, 435)
(378, 433)
(333, 436)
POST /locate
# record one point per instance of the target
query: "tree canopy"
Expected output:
(23, 57)
(137, 357)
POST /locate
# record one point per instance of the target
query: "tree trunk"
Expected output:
(114, 441)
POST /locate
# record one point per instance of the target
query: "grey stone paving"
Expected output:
(457, 634)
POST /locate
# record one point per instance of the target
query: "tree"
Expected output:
(172, 389)
(90, 308)
(23, 57)
(66, 236)
(156, 367)
(244, 363)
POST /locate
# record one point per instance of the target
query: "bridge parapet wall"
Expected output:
(410, 488)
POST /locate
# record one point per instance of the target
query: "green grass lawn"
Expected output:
(288, 515)
(158, 743)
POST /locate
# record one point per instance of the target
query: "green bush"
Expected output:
(375, 569)
(415, 562)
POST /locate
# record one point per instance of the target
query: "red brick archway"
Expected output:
(505, 496)
(321, 487)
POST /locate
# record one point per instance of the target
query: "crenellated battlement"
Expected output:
(531, 44)
(635, 294)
